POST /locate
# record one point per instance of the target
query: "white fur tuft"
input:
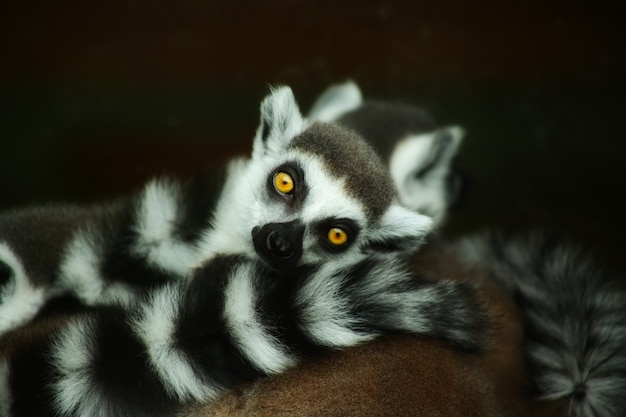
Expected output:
(80, 274)
(76, 391)
(404, 308)
(335, 101)
(281, 120)
(325, 313)
(156, 328)
(231, 228)
(156, 220)
(256, 343)
(20, 300)
(401, 229)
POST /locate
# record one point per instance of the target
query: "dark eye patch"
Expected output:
(349, 226)
(299, 191)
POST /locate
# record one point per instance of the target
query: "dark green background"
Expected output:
(95, 98)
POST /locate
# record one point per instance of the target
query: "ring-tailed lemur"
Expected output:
(418, 153)
(311, 192)
(302, 253)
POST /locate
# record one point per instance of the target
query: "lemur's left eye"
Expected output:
(283, 182)
(337, 236)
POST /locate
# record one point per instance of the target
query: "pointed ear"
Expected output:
(280, 122)
(420, 166)
(335, 101)
(399, 229)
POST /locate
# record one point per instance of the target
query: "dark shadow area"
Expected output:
(96, 98)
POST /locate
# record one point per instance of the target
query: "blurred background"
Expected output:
(96, 97)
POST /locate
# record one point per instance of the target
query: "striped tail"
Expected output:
(233, 322)
(575, 321)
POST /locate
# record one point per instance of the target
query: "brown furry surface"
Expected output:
(24, 336)
(401, 376)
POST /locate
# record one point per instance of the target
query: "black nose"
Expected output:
(279, 244)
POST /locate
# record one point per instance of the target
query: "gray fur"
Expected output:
(37, 236)
(345, 156)
(575, 320)
(383, 123)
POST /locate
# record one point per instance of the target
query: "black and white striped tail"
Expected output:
(233, 322)
(107, 254)
(20, 298)
(575, 318)
(144, 242)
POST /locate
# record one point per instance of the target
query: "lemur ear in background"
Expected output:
(399, 229)
(280, 122)
(335, 101)
(421, 166)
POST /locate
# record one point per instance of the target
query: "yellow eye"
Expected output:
(337, 236)
(283, 182)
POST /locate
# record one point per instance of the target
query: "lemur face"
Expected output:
(303, 212)
(317, 193)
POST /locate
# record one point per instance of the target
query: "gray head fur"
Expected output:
(347, 156)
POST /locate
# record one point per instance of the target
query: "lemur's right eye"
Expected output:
(283, 182)
(337, 236)
(287, 184)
